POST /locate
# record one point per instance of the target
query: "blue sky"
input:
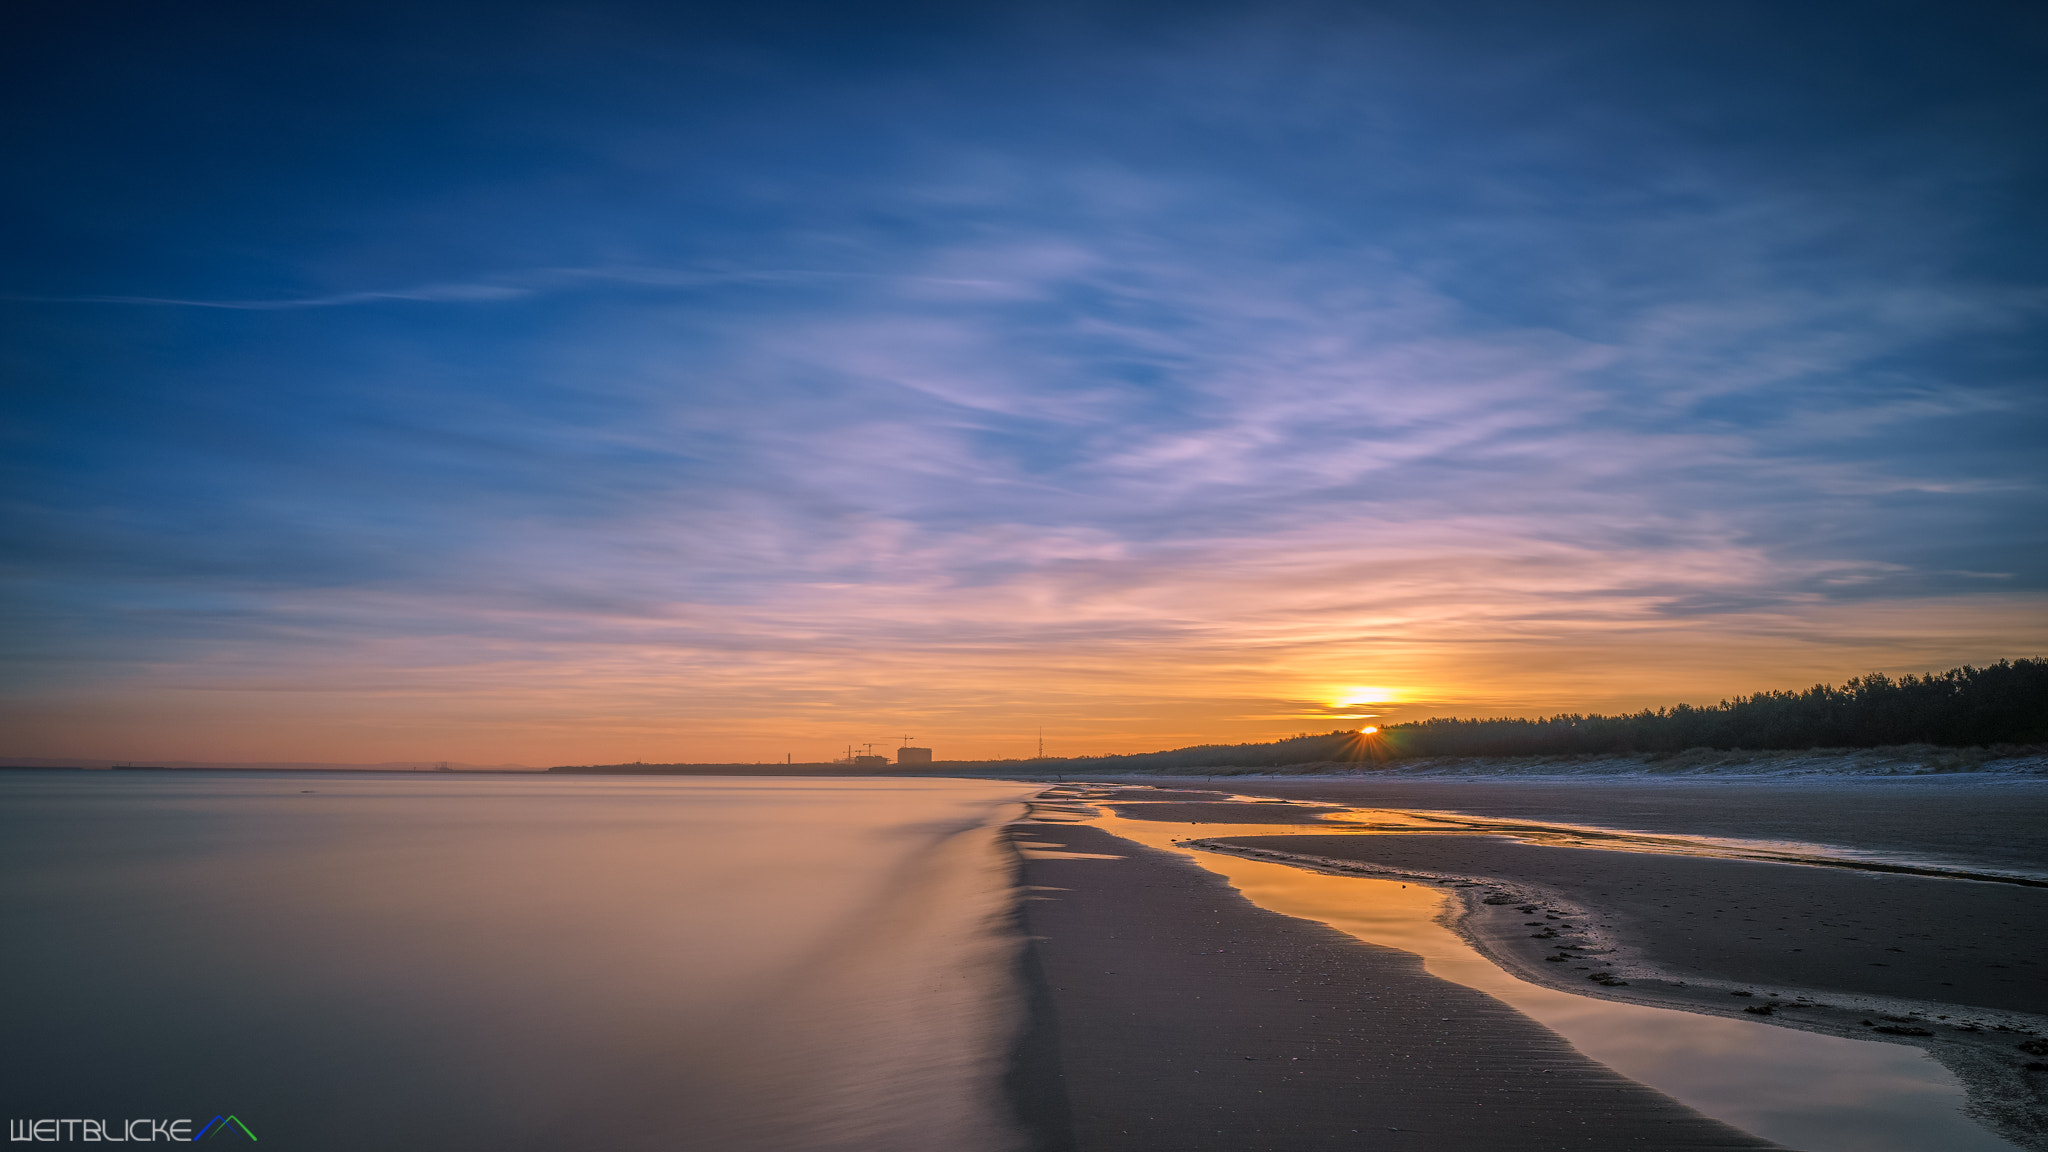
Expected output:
(549, 383)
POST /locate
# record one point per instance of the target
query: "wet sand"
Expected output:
(1186, 1018)
(1190, 809)
(1791, 945)
(1952, 966)
(1986, 822)
(1739, 922)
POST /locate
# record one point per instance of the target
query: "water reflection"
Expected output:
(398, 962)
(1801, 1089)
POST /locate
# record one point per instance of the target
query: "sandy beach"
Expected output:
(1163, 979)
(1977, 821)
(1188, 1018)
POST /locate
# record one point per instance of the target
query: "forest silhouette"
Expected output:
(2000, 704)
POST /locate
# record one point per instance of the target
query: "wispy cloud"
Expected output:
(427, 293)
(522, 285)
(1157, 404)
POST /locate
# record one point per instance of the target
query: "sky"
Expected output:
(577, 383)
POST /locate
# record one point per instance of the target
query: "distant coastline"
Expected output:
(1699, 763)
(1966, 719)
(414, 767)
(1907, 760)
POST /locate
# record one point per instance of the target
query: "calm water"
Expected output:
(402, 962)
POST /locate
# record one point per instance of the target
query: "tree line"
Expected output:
(2002, 703)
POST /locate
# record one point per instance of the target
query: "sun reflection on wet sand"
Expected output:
(1805, 1090)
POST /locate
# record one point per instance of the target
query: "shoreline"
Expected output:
(1941, 964)
(1978, 1045)
(1034, 1082)
(1190, 1019)
(1995, 823)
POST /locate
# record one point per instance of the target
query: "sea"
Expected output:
(392, 961)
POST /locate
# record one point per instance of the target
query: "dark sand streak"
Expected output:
(1033, 1082)
(1188, 1019)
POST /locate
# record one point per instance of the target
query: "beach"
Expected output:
(1189, 1018)
(849, 965)
(1963, 819)
(1165, 979)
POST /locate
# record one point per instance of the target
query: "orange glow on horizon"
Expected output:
(976, 670)
(1354, 696)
